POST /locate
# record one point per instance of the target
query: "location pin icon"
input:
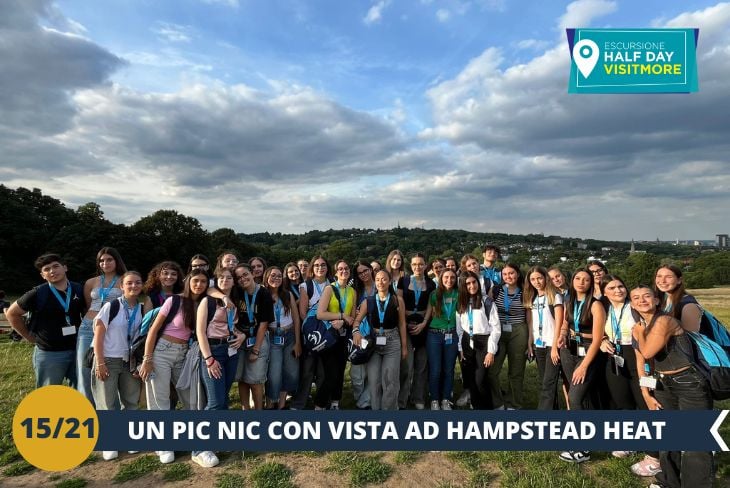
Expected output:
(585, 55)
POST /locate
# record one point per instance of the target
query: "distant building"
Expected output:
(721, 240)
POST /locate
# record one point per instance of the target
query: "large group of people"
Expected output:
(597, 343)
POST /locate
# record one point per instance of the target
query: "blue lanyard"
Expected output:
(448, 308)
(470, 316)
(64, 303)
(277, 312)
(616, 324)
(416, 291)
(250, 305)
(343, 297)
(492, 275)
(381, 311)
(230, 314)
(130, 317)
(540, 313)
(505, 299)
(577, 309)
(104, 292)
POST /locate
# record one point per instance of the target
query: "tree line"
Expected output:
(32, 223)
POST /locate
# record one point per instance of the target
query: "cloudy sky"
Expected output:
(292, 115)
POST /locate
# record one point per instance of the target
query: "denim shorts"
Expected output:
(254, 372)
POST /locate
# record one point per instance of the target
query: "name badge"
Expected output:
(581, 351)
(648, 382)
(447, 339)
(619, 360)
(380, 340)
(68, 330)
(363, 343)
(250, 342)
(278, 340)
(539, 342)
(232, 351)
(471, 343)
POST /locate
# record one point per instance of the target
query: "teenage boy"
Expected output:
(56, 308)
(492, 276)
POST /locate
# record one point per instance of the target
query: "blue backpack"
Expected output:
(711, 327)
(713, 362)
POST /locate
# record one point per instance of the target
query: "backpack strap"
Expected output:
(114, 307)
(336, 293)
(174, 307)
(310, 288)
(212, 306)
(372, 307)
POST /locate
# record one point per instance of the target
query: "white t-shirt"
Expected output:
(541, 307)
(625, 320)
(116, 342)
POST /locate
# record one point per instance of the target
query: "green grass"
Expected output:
(72, 483)
(229, 480)
(138, 468)
(407, 457)
(364, 468)
(18, 469)
(271, 475)
(369, 469)
(177, 472)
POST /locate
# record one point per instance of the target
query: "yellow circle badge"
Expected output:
(55, 428)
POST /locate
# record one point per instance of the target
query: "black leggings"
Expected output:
(334, 361)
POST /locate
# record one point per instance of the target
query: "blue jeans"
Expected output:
(283, 372)
(84, 338)
(51, 367)
(217, 389)
(441, 362)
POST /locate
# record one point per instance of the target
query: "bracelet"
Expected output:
(208, 357)
(211, 362)
(146, 360)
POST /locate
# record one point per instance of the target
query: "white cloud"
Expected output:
(532, 44)
(443, 15)
(173, 32)
(582, 12)
(375, 13)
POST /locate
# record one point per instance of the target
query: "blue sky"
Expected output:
(291, 115)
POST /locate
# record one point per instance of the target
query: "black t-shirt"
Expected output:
(409, 296)
(48, 318)
(263, 309)
(390, 317)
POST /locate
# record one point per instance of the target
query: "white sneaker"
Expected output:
(445, 405)
(435, 405)
(206, 459)
(419, 406)
(622, 454)
(109, 455)
(166, 457)
(464, 399)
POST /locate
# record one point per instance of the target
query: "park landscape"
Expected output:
(311, 468)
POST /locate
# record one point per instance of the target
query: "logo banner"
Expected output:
(633, 60)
